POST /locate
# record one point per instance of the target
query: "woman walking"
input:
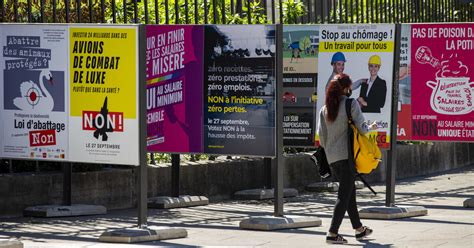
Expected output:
(332, 131)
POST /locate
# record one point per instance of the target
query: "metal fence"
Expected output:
(236, 11)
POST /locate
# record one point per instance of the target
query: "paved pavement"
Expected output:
(447, 224)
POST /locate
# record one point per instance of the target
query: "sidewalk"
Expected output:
(447, 224)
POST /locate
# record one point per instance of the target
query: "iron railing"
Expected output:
(236, 11)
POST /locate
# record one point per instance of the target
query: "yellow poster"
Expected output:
(103, 64)
(103, 87)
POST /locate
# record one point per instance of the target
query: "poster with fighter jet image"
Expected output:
(442, 82)
(33, 73)
(103, 93)
(366, 54)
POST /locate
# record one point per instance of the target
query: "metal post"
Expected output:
(175, 175)
(267, 170)
(67, 183)
(279, 160)
(142, 175)
(392, 153)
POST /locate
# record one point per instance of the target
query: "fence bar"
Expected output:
(346, 17)
(90, 12)
(357, 12)
(309, 11)
(267, 171)
(214, 11)
(124, 4)
(66, 2)
(196, 12)
(175, 175)
(223, 13)
(54, 11)
(29, 10)
(146, 11)
(273, 12)
(15, 10)
(135, 11)
(67, 183)
(2, 11)
(102, 11)
(205, 12)
(167, 12)
(340, 12)
(281, 11)
(78, 11)
(186, 11)
(157, 18)
(114, 19)
(249, 18)
(176, 12)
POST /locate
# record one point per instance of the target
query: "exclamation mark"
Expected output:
(120, 124)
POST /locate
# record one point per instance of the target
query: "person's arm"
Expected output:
(358, 83)
(322, 129)
(382, 93)
(358, 118)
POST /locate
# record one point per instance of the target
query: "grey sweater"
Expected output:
(333, 135)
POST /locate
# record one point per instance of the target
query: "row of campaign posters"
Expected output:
(436, 88)
(70, 93)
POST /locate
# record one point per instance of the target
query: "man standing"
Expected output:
(373, 93)
(338, 61)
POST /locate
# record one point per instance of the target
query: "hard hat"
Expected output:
(338, 57)
(375, 60)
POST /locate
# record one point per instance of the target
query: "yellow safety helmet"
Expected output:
(375, 60)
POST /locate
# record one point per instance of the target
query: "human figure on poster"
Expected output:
(338, 63)
(374, 91)
(332, 131)
(295, 51)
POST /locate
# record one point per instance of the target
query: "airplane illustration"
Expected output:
(104, 129)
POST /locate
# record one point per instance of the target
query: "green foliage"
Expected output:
(292, 10)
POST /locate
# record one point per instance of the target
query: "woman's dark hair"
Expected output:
(333, 94)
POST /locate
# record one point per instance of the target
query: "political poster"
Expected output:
(300, 72)
(404, 85)
(33, 73)
(365, 53)
(175, 88)
(239, 90)
(103, 94)
(442, 82)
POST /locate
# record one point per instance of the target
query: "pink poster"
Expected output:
(442, 82)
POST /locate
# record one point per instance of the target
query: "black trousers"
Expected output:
(346, 196)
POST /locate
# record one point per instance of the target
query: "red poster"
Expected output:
(442, 82)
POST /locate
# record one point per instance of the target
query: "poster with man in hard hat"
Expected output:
(365, 53)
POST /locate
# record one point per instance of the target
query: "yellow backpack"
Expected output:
(367, 155)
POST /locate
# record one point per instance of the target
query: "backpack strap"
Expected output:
(348, 109)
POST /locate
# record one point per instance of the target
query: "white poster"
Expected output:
(34, 107)
(103, 94)
(365, 53)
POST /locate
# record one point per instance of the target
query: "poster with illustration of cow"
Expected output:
(442, 79)
(103, 93)
(33, 73)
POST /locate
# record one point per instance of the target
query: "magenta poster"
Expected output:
(442, 82)
(174, 88)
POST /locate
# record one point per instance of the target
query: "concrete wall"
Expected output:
(115, 188)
